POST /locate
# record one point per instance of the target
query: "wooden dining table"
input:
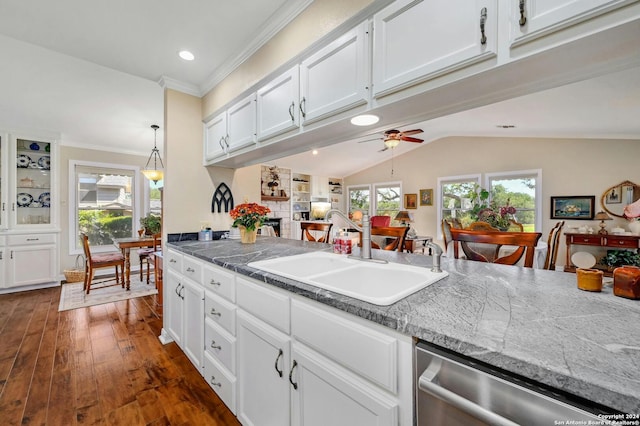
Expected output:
(125, 245)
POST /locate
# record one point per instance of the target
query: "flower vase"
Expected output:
(247, 236)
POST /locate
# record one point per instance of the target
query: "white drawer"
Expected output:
(192, 268)
(223, 383)
(263, 303)
(220, 312)
(172, 260)
(369, 353)
(220, 344)
(219, 281)
(21, 240)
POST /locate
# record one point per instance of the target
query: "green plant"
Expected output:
(616, 258)
(151, 224)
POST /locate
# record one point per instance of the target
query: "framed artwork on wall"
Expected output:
(410, 201)
(426, 197)
(577, 207)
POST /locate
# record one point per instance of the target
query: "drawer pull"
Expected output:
(189, 269)
(483, 20)
(213, 312)
(33, 239)
(280, 353)
(215, 383)
(293, 366)
(172, 261)
(177, 290)
(214, 282)
(213, 345)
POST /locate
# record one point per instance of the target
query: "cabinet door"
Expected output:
(31, 265)
(278, 109)
(241, 123)
(319, 186)
(173, 311)
(263, 373)
(335, 78)
(193, 331)
(542, 17)
(416, 40)
(215, 133)
(322, 384)
(4, 179)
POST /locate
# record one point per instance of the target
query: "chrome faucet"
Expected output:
(436, 251)
(365, 251)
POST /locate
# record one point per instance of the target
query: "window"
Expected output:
(387, 199)
(522, 190)
(453, 197)
(103, 203)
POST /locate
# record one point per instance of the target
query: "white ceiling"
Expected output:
(90, 71)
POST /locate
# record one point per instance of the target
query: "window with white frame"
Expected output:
(379, 199)
(104, 203)
(520, 189)
(454, 195)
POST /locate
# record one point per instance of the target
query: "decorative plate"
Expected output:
(23, 161)
(583, 260)
(45, 199)
(35, 147)
(45, 162)
(24, 199)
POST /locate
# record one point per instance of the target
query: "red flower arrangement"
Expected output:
(249, 215)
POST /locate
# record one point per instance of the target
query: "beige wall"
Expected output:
(66, 154)
(319, 19)
(569, 167)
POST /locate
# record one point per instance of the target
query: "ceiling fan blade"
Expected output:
(383, 149)
(410, 139)
(412, 132)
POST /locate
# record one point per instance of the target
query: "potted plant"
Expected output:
(615, 258)
(152, 224)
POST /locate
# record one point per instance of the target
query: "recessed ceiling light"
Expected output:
(365, 120)
(186, 55)
(314, 152)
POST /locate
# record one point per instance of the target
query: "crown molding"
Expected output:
(171, 83)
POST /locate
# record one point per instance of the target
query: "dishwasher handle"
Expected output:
(426, 384)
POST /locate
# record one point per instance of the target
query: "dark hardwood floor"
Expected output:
(101, 365)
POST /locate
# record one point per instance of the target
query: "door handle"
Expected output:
(291, 108)
(427, 385)
(483, 21)
(523, 18)
(293, 366)
(280, 353)
(303, 105)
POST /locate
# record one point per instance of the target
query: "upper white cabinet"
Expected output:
(336, 77)
(230, 130)
(215, 132)
(415, 40)
(278, 107)
(531, 19)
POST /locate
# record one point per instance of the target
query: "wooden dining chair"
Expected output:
(481, 226)
(378, 221)
(144, 255)
(325, 228)
(552, 246)
(515, 226)
(446, 233)
(523, 242)
(102, 260)
(396, 234)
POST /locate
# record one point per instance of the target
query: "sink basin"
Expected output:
(377, 283)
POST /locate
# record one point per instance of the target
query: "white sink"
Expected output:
(377, 283)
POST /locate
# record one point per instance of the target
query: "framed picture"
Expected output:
(578, 207)
(614, 196)
(426, 197)
(410, 201)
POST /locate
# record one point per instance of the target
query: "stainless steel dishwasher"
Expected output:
(452, 390)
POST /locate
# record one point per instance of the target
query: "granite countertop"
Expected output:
(531, 322)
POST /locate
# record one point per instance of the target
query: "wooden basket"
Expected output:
(77, 274)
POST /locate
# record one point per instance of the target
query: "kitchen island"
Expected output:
(531, 322)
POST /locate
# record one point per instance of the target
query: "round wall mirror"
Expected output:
(618, 196)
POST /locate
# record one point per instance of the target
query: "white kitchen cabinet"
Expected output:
(320, 187)
(336, 77)
(263, 373)
(193, 323)
(31, 259)
(174, 308)
(215, 132)
(532, 19)
(4, 178)
(416, 40)
(321, 383)
(278, 110)
(241, 123)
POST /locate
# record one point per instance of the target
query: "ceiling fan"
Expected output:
(393, 137)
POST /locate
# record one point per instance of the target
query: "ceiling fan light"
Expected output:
(391, 143)
(365, 120)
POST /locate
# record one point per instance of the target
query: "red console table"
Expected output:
(610, 241)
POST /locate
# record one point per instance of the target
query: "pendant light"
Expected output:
(154, 174)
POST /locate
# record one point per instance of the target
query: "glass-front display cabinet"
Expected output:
(33, 183)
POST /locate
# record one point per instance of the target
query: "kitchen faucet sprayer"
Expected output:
(437, 253)
(365, 252)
